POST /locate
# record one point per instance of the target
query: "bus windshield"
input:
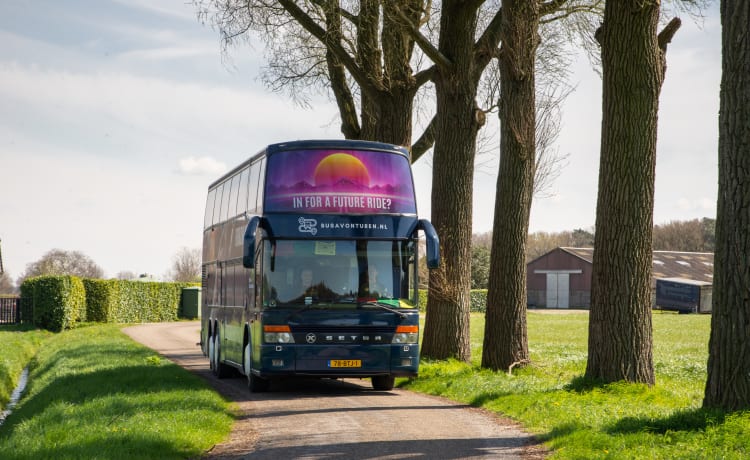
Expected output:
(340, 274)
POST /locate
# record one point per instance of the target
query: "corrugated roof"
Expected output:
(586, 254)
(698, 266)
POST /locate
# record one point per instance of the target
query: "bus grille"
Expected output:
(342, 335)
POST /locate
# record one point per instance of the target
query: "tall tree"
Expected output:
(6, 284)
(525, 138)
(357, 48)
(61, 262)
(505, 338)
(688, 235)
(460, 61)
(633, 69)
(728, 385)
(186, 265)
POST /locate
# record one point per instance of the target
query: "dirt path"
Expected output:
(325, 419)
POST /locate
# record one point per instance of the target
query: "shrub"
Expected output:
(101, 297)
(59, 301)
(477, 300)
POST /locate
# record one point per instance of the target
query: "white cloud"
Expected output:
(126, 114)
(169, 52)
(201, 165)
(171, 8)
(696, 204)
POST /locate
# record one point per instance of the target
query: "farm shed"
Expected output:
(561, 278)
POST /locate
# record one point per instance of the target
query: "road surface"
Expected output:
(335, 419)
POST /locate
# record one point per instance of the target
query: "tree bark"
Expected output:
(505, 336)
(620, 329)
(381, 66)
(728, 383)
(446, 332)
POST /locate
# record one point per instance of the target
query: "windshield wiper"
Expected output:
(381, 306)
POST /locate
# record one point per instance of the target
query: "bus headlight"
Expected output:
(406, 334)
(277, 334)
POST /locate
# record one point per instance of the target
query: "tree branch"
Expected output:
(487, 46)
(353, 18)
(428, 48)
(424, 76)
(424, 143)
(666, 35)
(550, 6)
(517, 363)
(341, 54)
(562, 13)
(347, 108)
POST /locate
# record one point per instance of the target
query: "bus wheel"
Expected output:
(383, 382)
(246, 361)
(257, 384)
(219, 369)
(211, 353)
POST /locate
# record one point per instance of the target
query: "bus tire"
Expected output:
(247, 364)
(220, 370)
(383, 382)
(211, 352)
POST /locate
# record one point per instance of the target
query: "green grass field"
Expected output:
(94, 393)
(19, 345)
(580, 420)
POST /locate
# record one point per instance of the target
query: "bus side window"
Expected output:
(252, 195)
(209, 209)
(226, 200)
(217, 204)
(211, 283)
(242, 191)
(261, 184)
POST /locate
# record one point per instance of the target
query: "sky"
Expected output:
(116, 115)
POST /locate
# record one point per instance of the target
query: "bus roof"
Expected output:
(314, 144)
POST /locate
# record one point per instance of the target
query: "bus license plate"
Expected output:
(345, 363)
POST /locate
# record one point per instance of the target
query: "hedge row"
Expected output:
(61, 301)
(477, 300)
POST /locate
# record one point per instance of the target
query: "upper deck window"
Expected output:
(339, 182)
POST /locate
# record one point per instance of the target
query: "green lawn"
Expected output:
(94, 393)
(19, 344)
(581, 420)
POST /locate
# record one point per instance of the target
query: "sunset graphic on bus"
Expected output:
(359, 182)
(339, 166)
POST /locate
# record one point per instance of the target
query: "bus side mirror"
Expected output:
(433, 243)
(248, 243)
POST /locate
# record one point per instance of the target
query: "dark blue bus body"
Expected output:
(310, 255)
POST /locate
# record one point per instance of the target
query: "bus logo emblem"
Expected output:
(311, 338)
(307, 226)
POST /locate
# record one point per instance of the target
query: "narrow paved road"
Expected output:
(335, 419)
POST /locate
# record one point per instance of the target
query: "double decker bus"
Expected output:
(310, 257)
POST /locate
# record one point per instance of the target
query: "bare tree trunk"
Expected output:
(446, 333)
(505, 338)
(620, 330)
(728, 384)
(391, 113)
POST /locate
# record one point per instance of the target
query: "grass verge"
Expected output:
(580, 419)
(19, 344)
(94, 393)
